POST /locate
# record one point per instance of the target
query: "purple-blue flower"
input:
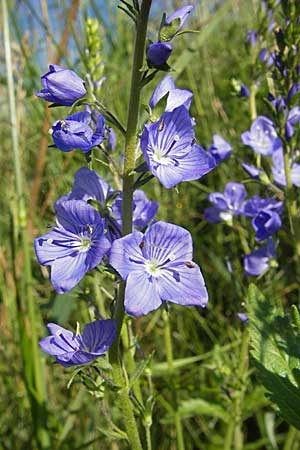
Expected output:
(89, 186)
(158, 267)
(174, 23)
(256, 204)
(262, 136)
(71, 349)
(278, 169)
(74, 246)
(244, 91)
(258, 261)
(219, 149)
(252, 171)
(243, 317)
(143, 212)
(265, 224)
(226, 205)
(62, 86)
(175, 97)
(251, 38)
(159, 53)
(78, 131)
(111, 140)
(170, 152)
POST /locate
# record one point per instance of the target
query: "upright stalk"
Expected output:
(169, 354)
(30, 353)
(128, 182)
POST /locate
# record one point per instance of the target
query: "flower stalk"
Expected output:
(128, 188)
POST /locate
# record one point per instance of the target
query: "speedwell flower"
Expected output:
(278, 169)
(170, 152)
(262, 136)
(219, 149)
(75, 246)
(61, 86)
(79, 131)
(72, 349)
(175, 97)
(158, 267)
(265, 224)
(158, 53)
(227, 204)
(258, 261)
(174, 23)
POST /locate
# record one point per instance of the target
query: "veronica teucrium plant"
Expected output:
(113, 229)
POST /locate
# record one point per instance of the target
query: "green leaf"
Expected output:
(276, 351)
(198, 406)
(168, 31)
(140, 369)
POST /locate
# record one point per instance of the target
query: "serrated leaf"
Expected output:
(198, 406)
(276, 351)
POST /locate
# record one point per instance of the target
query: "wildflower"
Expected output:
(258, 261)
(262, 136)
(219, 149)
(252, 171)
(265, 224)
(175, 97)
(75, 246)
(244, 91)
(72, 349)
(158, 53)
(278, 169)
(226, 205)
(61, 86)
(111, 140)
(78, 131)
(143, 212)
(243, 317)
(174, 23)
(251, 38)
(256, 204)
(89, 186)
(170, 152)
(158, 267)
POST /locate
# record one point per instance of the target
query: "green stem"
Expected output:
(35, 385)
(169, 354)
(291, 438)
(128, 182)
(234, 435)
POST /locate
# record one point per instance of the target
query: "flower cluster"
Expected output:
(265, 215)
(159, 52)
(156, 258)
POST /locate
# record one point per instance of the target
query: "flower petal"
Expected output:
(99, 335)
(141, 294)
(67, 272)
(126, 253)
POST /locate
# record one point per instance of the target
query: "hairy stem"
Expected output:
(128, 182)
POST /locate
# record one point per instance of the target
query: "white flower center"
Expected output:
(152, 268)
(85, 243)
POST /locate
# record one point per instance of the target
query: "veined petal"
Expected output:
(166, 242)
(58, 243)
(98, 336)
(163, 87)
(88, 185)
(67, 272)
(75, 214)
(126, 254)
(184, 285)
(75, 358)
(141, 294)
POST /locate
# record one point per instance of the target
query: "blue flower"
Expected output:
(72, 349)
(89, 186)
(256, 204)
(226, 205)
(262, 136)
(61, 86)
(244, 91)
(170, 152)
(79, 131)
(252, 171)
(278, 169)
(75, 246)
(258, 261)
(219, 149)
(158, 267)
(175, 97)
(158, 54)
(174, 22)
(265, 224)
(143, 212)
(111, 140)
